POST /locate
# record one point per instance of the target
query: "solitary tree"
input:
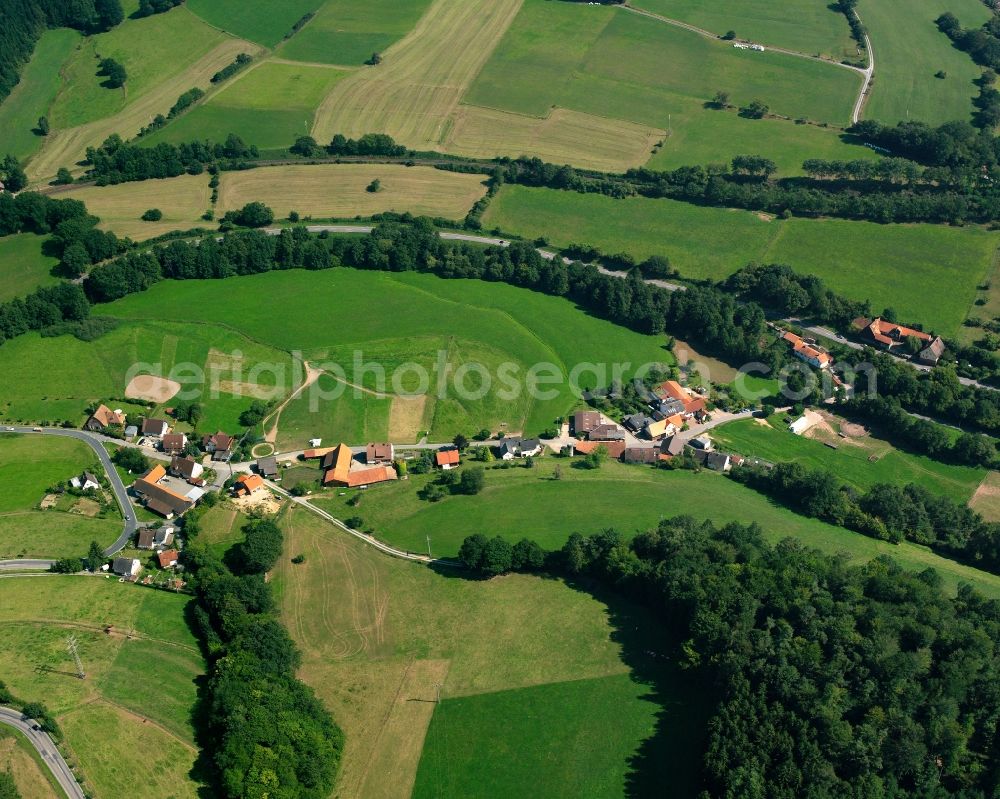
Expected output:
(95, 557)
(63, 177)
(43, 125)
(472, 480)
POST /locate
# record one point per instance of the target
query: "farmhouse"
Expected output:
(85, 482)
(664, 427)
(161, 499)
(671, 446)
(888, 335)
(173, 443)
(247, 484)
(640, 455)
(637, 422)
(615, 449)
(511, 448)
(219, 445)
(128, 568)
(185, 467)
(268, 468)
(931, 354)
(811, 353)
(379, 454)
(673, 399)
(155, 428)
(103, 418)
(607, 432)
(145, 538)
(338, 465)
(584, 422)
(447, 458)
(718, 461)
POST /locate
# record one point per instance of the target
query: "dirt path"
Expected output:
(312, 375)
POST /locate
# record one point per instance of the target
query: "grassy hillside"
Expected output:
(34, 95)
(387, 636)
(264, 23)
(807, 26)
(131, 715)
(904, 266)
(348, 32)
(28, 467)
(909, 50)
(23, 266)
(521, 502)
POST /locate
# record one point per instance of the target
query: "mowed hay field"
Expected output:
(197, 356)
(807, 26)
(29, 466)
(29, 772)
(131, 715)
(269, 104)
(34, 94)
(379, 635)
(348, 31)
(421, 320)
(182, 200)
(23, 265)
(909, 49)
(904, 266)
(339, 190)
(519, 502)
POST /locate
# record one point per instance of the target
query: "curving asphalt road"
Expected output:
(94, 441)
(46, 748)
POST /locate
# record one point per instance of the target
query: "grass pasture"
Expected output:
(909, 49)
(268, 104)
(28, 466)
(911, 262)
(807, 26)
(384, 633)
(339, 190)
(519, 502)
(419, 317)
(23, 265)
(182, 200)
(348, 32)
(32, 97)
(264, 23)
(30, 773)
(131, 714)
(850, 461)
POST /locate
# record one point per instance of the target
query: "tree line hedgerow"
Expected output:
(268, 734)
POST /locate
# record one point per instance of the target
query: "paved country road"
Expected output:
(94, 441)
(46, 748)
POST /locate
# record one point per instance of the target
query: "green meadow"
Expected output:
(617, 64)
(268, 105)
(420, 319)
(904, 266)
(23, 265)
(37, 90)
(909, 50)
(264, 23)
(807, 26)
(152, 50)
(29, 465)
(519, 502)
(850, 460)
(348, 32)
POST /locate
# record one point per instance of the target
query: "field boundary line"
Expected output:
(79, 625)
(144, 719)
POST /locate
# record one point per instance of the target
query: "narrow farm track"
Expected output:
(866, 74)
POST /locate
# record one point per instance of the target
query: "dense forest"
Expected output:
(22, 22)
(832, 680)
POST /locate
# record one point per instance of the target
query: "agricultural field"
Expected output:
(385, 633)
(518, 502)
(909, 49)
(29, 466)
(268, 104)
(24, 266)
(132, 713)
(806, 26)
(264, 23)
(899, 265)
(348, 32)
(316, 313)
(220, 527)
(860, 461)
(182, 200)
(340, 190)
(198, 356)
(34, 95)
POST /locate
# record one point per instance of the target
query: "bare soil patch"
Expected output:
(261, 501)
(406, 416)
(86, 507)
(151, 388)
